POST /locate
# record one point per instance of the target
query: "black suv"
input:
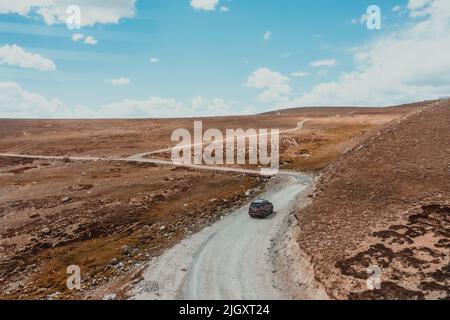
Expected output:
(260, 209)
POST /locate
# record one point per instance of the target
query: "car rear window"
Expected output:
(256, 205)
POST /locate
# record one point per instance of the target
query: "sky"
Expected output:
(159, 58)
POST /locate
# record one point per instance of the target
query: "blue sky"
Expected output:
(253, 56)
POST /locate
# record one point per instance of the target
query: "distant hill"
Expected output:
(347, 109)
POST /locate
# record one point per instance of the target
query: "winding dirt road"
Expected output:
(230, 260)
(143, 158)
(144, 155)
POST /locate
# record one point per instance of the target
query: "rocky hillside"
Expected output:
(386, 204)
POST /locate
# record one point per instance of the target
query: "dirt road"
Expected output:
(230, 260)
(142, 158)
(100, 166)
(144, 155)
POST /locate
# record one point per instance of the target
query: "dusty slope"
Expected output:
(386, 203)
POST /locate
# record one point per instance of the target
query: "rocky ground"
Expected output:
(106, 218)
(386, 203)
(110, 218)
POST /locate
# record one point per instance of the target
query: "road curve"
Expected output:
(230, 260)
(142, 158)
(144, 155)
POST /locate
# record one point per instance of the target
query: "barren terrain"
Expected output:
(386, 203)
(112, 217)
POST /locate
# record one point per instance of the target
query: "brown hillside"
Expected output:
(386, 203)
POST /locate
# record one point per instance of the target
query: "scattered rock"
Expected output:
(53, 295)
(125, 250)
(112, 296)
(360, 148)
(158, 198)
(45, 230)
(114, 261)
(65, 199)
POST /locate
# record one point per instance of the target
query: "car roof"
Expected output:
(260, 201)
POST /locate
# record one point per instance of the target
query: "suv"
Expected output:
(260, 209)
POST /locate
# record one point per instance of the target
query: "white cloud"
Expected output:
(55, 11)
(157, 107)
(397, 8)
(90, 40)
(299, 74)
(415, 5)
(16, 102)
(154, 107)
(408, 65)
(16, 56)
(154, 60)
(212, 107)
(87, 40)
(268, 35)
(436, 9)
(324, 63)
(119, 81)
(276, 85)
(77, 37)
(208, 5)
(224, 9)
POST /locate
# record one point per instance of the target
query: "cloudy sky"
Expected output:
(159, 58)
